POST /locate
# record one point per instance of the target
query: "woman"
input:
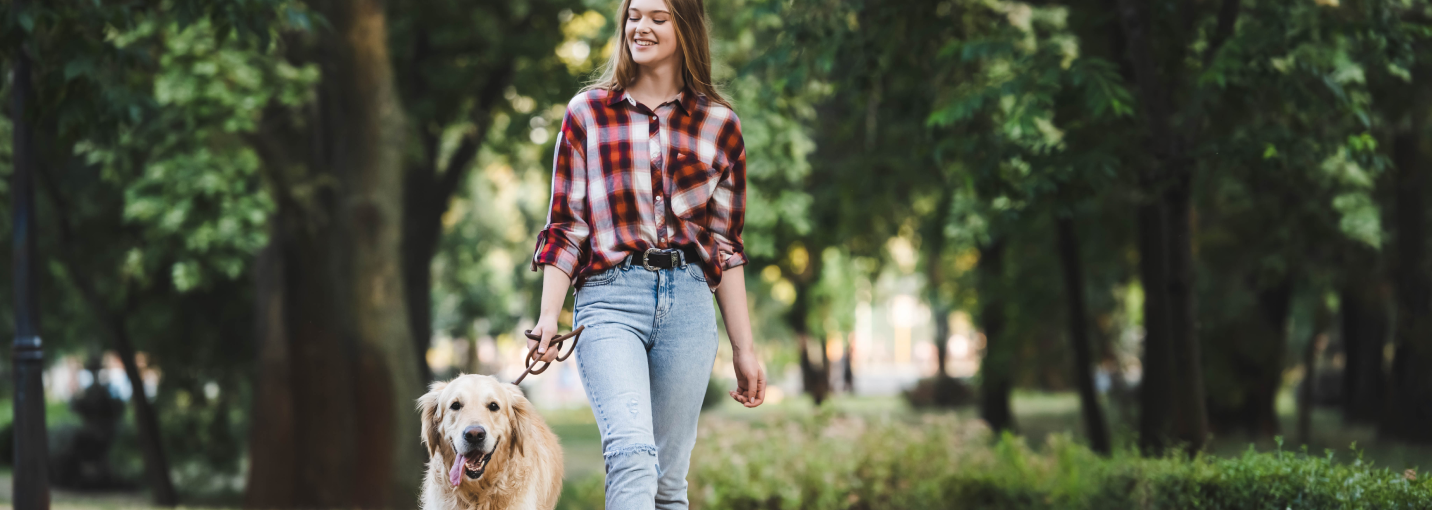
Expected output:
(648, 197)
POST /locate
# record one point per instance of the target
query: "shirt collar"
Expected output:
(686, 99)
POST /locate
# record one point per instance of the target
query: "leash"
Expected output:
(556, 343)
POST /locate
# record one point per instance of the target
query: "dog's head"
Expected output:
(466, 421)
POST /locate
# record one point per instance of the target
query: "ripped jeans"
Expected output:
(645, 359)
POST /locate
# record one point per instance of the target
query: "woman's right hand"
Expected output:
(546, 328)
(555, 283)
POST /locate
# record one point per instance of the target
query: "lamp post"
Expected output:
(32, 485)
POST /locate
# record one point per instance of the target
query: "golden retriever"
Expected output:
(487, 448)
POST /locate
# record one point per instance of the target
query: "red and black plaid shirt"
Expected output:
(609, 199)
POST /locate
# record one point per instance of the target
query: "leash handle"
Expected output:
(556, 343)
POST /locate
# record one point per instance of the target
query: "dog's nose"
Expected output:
(474, 434)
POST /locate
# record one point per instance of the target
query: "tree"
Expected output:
(461, 65)
(1022, 91)
(105, 63)
(337, 341)
(1409, 105)
(1094, 424)
(996, 369)
(1410, 384)
(1364, 307)
(811, 209)
(1170, 178)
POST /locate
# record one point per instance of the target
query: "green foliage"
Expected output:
(939, 461)
(151, 207)
(481, 274)
(490, 81)
(191, 183)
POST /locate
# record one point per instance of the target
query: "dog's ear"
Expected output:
(431, 416)
(520, 414)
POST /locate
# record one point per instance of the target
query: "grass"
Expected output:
(581, 441)
(56, 413)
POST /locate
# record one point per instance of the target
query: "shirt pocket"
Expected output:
(694, 181)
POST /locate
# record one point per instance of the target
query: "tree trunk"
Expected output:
(1409, 405)
(113, 327)
(1305, 390)
(1364, 307)
(1310, 374)
(814, 378)
(368, 139)
(321, 346)
(352, 365)
(420, 240)
(997, 367)
(1155, 390)
(1190, 416)
(1274, 303)
(941, 315)
(151, 442)
(933, 243)
(1093, 415)
(271, 439)
(1172, 181)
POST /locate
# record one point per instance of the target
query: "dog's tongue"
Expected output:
(456, 475)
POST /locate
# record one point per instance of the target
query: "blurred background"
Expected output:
(263, 226)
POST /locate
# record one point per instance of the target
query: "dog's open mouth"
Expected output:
(472, 465)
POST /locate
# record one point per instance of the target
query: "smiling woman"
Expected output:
(662, 43)
(648, 201)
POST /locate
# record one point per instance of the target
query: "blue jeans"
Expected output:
(645, 359)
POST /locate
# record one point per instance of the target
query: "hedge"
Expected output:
(939, 461)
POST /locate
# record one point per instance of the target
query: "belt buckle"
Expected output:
(646, 259)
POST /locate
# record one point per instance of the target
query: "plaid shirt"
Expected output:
(613, 193)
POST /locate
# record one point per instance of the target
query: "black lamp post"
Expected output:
(32, 485)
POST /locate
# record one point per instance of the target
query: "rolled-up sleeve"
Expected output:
(561, 242)
(729, 215)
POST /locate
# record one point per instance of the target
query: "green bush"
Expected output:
(829, 462)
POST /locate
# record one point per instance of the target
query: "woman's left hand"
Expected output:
(750, 380)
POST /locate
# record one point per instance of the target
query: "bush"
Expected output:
(939, 391)
(939, 461)
(829, 462)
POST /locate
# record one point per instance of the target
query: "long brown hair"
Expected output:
(619, 73)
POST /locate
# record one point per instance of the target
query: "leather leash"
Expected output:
(556, 343)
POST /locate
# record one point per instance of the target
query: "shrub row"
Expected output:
(830, 462)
